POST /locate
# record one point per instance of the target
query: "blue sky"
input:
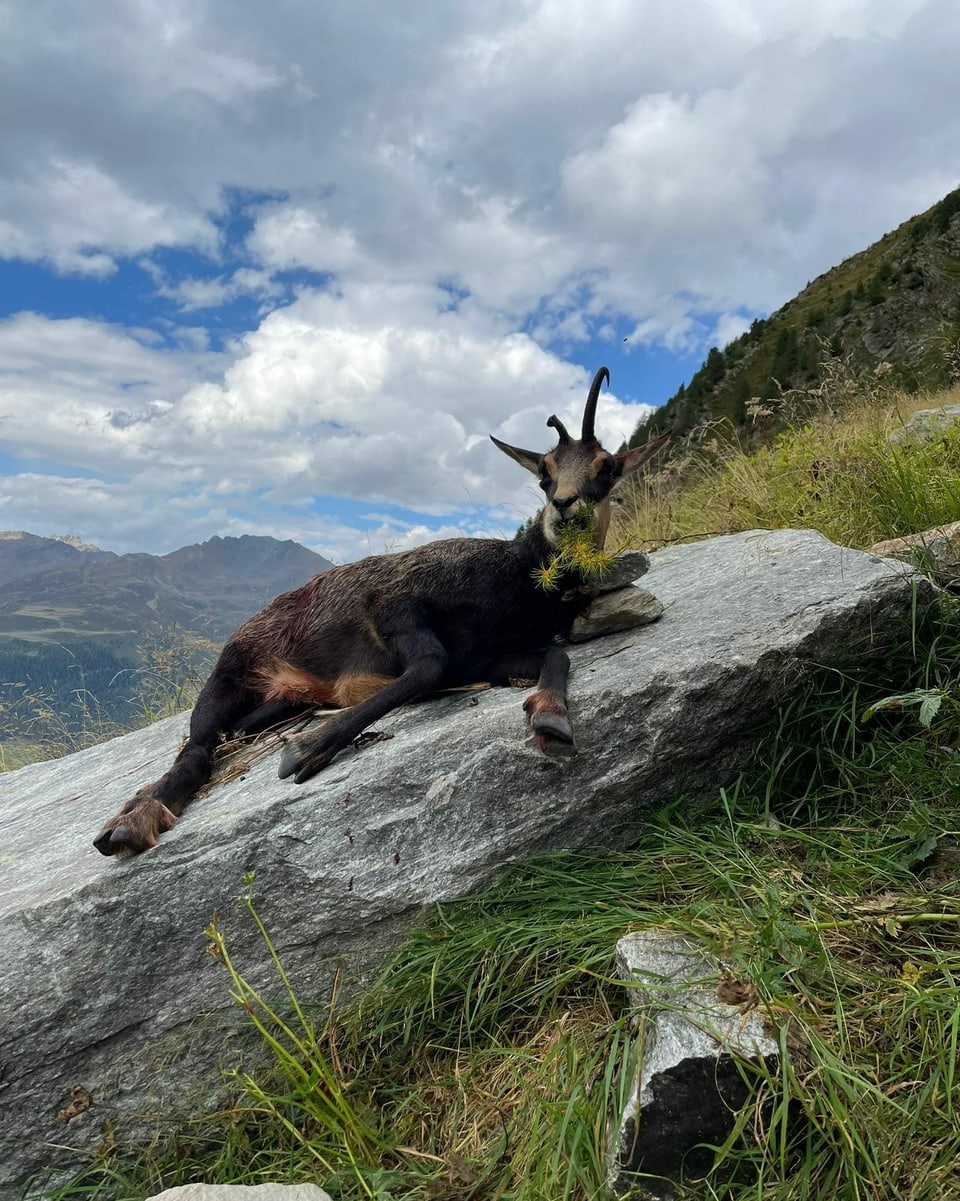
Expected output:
(281, 271)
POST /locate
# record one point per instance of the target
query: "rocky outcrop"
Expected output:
(925, 425)
(103, 964)
(935, 551)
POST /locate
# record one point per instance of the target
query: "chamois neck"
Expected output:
(542, 533)
(535, 539)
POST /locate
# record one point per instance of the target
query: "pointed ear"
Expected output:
(631, 460)
(526, 458)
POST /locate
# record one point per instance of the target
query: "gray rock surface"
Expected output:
(926, 424)
(698, 1024)
(243, 1192)
(103, 963)
(935, 551)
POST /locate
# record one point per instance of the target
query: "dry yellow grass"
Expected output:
(834, 470)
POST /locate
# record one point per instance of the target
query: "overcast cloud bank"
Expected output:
(288, 267)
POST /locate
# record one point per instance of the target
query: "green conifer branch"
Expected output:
(576, 552)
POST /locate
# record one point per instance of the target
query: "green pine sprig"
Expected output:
(576, 553)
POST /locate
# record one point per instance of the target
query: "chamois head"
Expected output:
(579, 471)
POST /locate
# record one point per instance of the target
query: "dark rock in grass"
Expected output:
(701, 1033)
(104, 970)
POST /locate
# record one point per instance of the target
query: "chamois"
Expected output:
(369, 636)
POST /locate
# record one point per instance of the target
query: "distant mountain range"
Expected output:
(53, 589)
(75, 619)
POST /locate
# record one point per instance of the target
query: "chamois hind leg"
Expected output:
(154, 808)
(423, 658)
(546, 706)
(270, 714)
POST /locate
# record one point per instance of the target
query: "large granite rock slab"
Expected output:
(103, 962)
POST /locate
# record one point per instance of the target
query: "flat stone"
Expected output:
(243, 1192)
(935, 551)
(628, 566)
(613, 612)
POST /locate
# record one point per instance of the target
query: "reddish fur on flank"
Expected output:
(351, 690)
(284, 681)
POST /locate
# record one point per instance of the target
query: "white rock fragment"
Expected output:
(699, 1022)
(243, 1192)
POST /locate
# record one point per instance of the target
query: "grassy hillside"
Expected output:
(835, 470)
(59, 698)
(896, 303)
(485, 1061)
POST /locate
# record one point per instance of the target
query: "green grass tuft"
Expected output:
(836, 471)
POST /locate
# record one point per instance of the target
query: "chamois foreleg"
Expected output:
(546, 706)
(423, 659)
(154, 808)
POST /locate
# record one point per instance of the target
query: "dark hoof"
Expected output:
(289, 760)
(556, 748)
(111, 842)
(309, 770)
(302, 762)
(552, 723)
(136, 828)
(121, 840)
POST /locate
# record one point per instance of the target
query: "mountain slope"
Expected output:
(209, 588)
(895, 303)
(23, 554)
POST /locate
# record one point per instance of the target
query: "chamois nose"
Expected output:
(562, 503)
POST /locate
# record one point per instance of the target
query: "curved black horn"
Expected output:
(590, 410)
(560, 428)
